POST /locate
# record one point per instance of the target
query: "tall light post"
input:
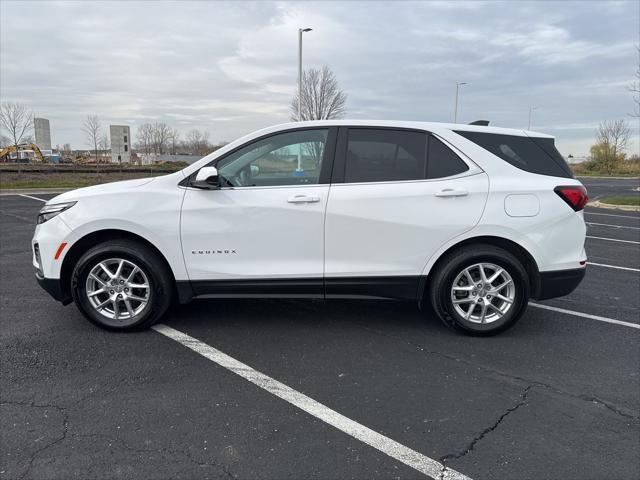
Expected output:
(455, 109)
(531, 109)
(300, 32)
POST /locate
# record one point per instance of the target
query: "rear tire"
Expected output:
(479, 290)
(122, 285)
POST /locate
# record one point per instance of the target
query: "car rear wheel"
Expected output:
(121, 285)
(480, 290)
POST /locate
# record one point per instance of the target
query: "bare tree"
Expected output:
(198, 142)
(322, 98)
(92, 130)
(613, 138)
(174, 140)
(145, 137)
(160, 135)
(17, 120)
(103, 144)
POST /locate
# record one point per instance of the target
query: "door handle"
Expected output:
(303, 199)
(450, 192)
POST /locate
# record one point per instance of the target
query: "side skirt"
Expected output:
(396, 288)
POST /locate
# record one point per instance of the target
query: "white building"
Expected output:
(43, 133)
(120, 143)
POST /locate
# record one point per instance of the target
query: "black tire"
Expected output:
(454, 263)
(160, 291)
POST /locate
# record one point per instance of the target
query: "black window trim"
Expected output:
(340, 163)
(325, 169)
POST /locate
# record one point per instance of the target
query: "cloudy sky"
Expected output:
(230, 67)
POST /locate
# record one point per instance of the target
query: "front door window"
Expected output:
(291, 158)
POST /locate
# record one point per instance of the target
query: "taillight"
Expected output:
(574, 195)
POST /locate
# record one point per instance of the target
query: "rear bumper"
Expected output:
(53, 287)
(558, 283)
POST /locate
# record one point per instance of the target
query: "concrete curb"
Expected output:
(608, 178)
(627, 208)
(33, 191)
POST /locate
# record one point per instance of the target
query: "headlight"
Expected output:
(50, 211)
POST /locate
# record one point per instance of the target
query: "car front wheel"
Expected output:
(121, 285)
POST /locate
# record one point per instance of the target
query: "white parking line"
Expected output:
(413, 459)
(613, 266)
(586, 315)
(29, 196)
(614, 240)
(612, 226)
(611, 215)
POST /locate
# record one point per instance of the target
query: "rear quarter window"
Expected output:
(443, 162)
(531, 154)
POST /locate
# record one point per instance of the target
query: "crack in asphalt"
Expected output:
(61, 438)
(623, 412)
(65, 432)
(472, 444)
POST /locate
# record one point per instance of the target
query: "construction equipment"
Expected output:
(5, 153)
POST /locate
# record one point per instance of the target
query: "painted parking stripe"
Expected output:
(614, 240)
(611, 215)
(34, 198)
(617, 267)
(413, 459)
(585, 315)
(612, 226)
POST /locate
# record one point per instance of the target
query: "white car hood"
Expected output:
(112, 187)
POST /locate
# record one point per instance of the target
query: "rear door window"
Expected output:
(531, 154)
(384, 155)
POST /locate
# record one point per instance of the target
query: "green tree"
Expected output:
(608, 153)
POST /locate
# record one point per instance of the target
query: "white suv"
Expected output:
(471, 219)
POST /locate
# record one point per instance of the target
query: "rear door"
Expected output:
(396, 197)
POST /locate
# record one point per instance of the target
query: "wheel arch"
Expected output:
(517, 250)
(96, 237)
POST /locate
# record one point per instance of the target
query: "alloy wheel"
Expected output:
(483, 293)
(118, 289)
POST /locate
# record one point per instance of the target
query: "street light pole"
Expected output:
(531, 109)
(300, 32)
(455, 108)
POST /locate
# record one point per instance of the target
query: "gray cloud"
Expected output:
(231, 67)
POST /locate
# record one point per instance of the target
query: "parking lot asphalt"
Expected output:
(557, 396)
(600, 187)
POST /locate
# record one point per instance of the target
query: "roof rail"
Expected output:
(482, 123)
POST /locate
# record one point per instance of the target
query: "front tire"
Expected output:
(480, 290)
(121, 285)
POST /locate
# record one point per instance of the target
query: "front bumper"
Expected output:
(558, 283)
(54, 288)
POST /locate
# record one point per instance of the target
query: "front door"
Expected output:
(262, 232)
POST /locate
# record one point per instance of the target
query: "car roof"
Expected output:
(430, 126)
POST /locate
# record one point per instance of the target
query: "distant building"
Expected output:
(43, 133)
(120, 143)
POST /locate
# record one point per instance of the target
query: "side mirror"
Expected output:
(207, 179)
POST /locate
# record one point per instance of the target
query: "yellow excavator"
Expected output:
(6, 152)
